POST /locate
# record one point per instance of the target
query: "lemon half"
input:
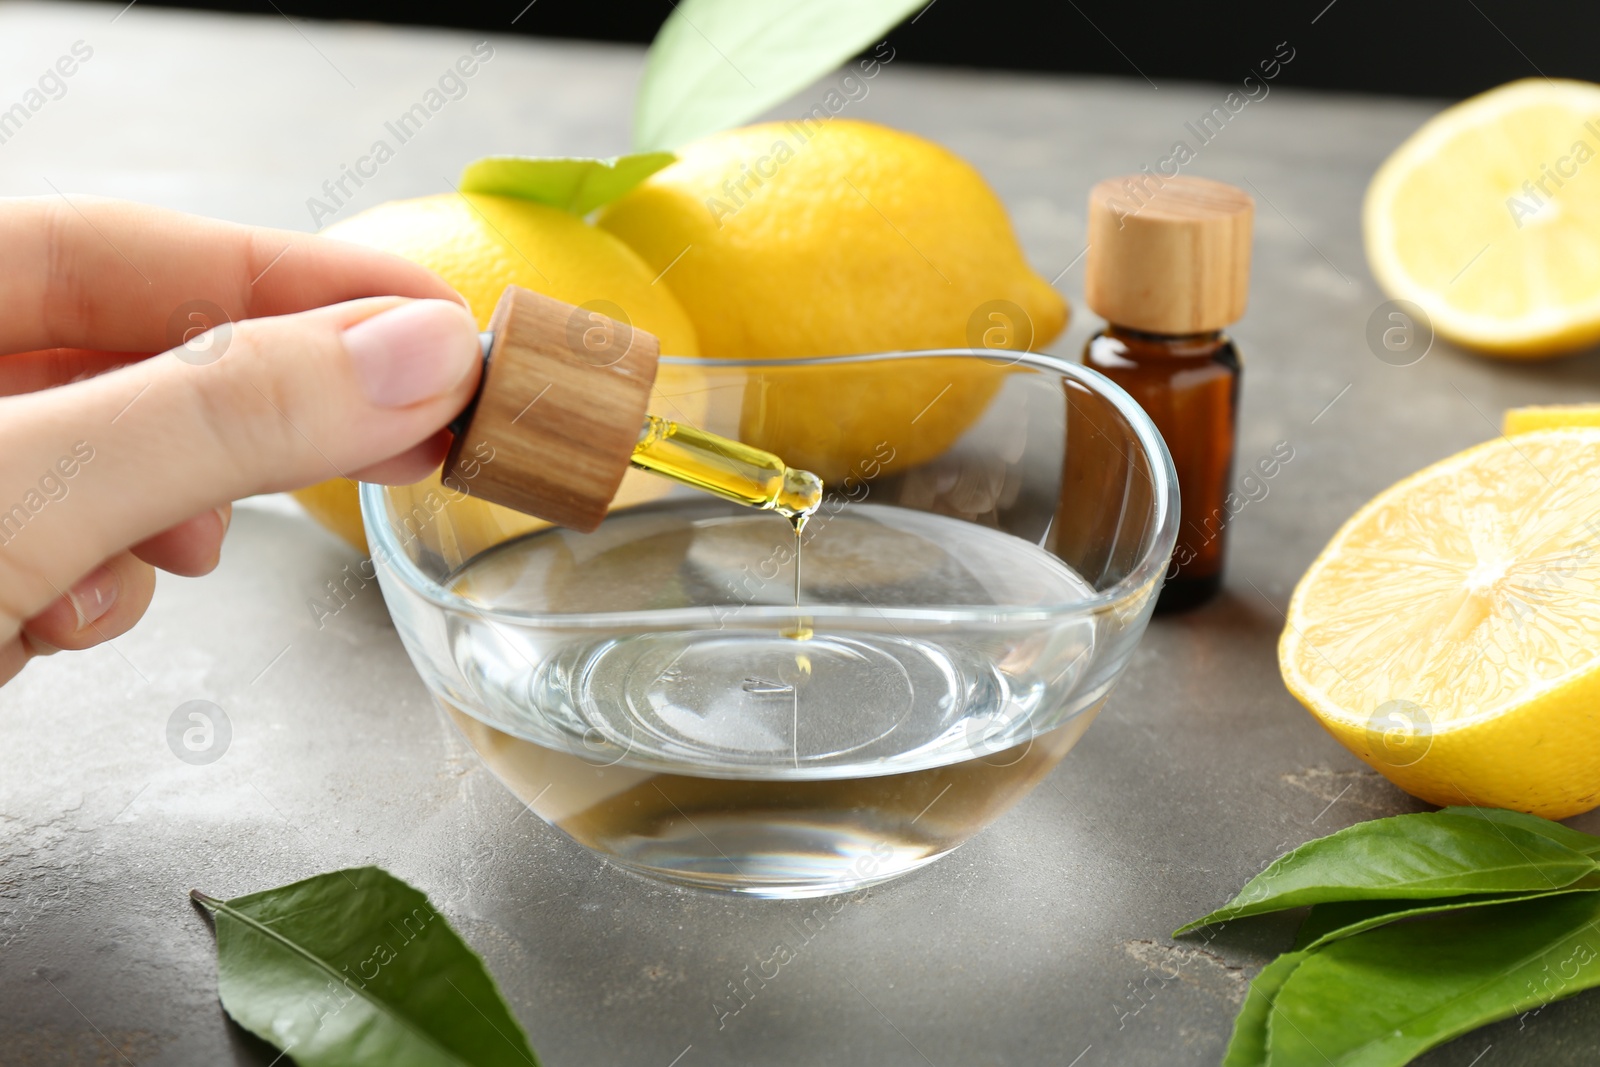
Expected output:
(1549, 416)
(1488, 218)
(1449, 634)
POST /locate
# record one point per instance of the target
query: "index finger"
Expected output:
(111, 275)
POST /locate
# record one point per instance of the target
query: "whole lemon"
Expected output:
(481, 244)
(813, 238)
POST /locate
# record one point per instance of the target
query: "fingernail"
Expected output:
(94, 595)
(412, 352)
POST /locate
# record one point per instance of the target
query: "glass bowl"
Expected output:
(668, 693)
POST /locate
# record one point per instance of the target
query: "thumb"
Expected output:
(257, 406)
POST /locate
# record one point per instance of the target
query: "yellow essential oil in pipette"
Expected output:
(735, 472)
(727, 468)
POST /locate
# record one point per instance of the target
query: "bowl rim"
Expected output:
(388, 554)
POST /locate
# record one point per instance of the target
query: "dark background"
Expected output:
(1448, 48)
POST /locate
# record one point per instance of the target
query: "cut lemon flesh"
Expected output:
(1488, 218)
(1449, 634)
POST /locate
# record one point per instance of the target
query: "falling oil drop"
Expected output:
(801, 630)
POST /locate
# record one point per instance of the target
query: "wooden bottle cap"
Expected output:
(1168, 255)
(563, 395)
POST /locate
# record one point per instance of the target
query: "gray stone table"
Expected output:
(1041, 942)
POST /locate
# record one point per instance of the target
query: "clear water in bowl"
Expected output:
(775, 749)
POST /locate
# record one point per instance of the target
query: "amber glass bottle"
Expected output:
(1168, 267)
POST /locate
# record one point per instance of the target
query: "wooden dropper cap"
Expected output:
(558, 411)
(1169, 256)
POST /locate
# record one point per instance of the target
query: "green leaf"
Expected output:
(718, 63)
(1386, 996)
(1407, 857)
(1330, 922)
(356, 968)
(571, 184)
(1576, 840)
(1248, 1046)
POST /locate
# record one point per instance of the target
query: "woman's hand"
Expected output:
(338, 361)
